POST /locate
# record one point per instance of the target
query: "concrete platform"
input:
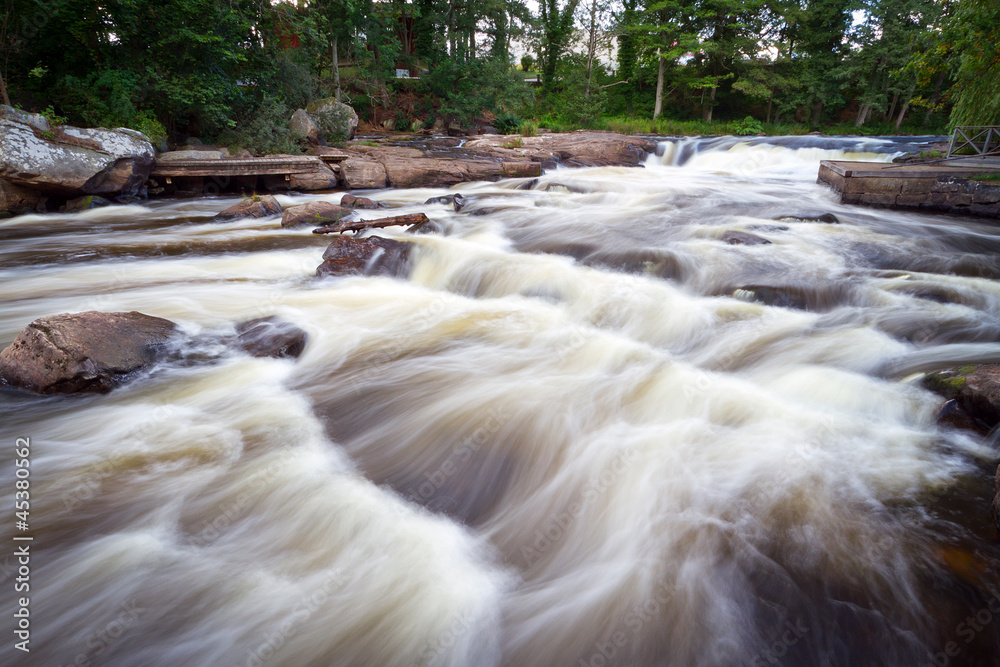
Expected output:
(930, 187)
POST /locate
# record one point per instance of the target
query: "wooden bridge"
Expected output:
(284, 165)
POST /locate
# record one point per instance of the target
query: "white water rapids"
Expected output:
(583, 431)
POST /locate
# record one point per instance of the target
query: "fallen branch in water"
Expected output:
(360, 225)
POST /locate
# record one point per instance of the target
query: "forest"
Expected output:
(233, 71)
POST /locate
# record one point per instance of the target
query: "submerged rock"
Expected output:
(975, 389)
(84, 352)
(828, 218)
(85, 204)
(743, 238)
(372, 256)
(360, 202)
(251, 207)
(315, 213)
(271, 337)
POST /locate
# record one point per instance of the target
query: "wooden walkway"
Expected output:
(257, 166)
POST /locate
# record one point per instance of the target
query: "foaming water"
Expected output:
(584, 430)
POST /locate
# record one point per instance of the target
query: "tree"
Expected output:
(977, 87)
(557, 27)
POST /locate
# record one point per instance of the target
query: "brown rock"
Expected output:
(372, 256)
(743, 238)
(951, 414)
(360, 202)
(980, 395)
(83, 352)
(322, 178)
(271, 337)
(14, 198)
(314, 213)
(252, 207)
(361, 174)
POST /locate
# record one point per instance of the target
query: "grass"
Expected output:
(993, 177)
(514, 142)
(669, 126)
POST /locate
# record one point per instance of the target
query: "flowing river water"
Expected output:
(583, 431)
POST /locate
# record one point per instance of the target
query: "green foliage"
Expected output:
(52, 116)
(507, 122)
(112, 98)
(528, 129)
(977, 97)
(987, 178)
(263, 131)
(465, 90)
(748, 125)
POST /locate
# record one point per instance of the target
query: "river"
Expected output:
(584, 431)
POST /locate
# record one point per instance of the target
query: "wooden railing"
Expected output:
(980, 139)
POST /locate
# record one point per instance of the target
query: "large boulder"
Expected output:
(322, 178)
(372, 256)
(314, 213)
(84, 352)
(337, 120)
(362, 174)
(304, 126)
(251, 207)
(72, 161)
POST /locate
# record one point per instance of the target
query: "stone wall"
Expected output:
(940, 193)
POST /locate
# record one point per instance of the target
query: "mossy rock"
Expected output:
(948, 383)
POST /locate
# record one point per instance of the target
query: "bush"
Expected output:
(111, 98)
(507, 123)
(748, 125)
(263, 131)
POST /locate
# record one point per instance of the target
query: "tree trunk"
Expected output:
(817, 112)
(658, 108)
(711, 105)
(906, 105)
(892, 107)
(934, 96)
(591, 45)
(862, 114)
(770, 101)
(3, 90)
(336, 70)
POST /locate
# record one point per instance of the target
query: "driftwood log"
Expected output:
(412, 219)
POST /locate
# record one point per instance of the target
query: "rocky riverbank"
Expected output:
(46, 168)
